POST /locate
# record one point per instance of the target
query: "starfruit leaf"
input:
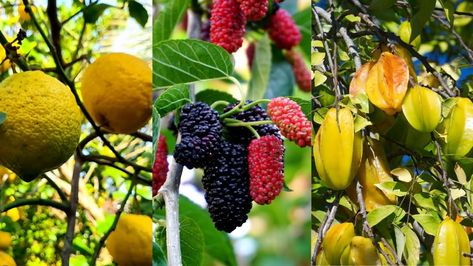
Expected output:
(412, 246)
(449, 10)
(393, 187)
(379, 214)
(3, 117)
(319, 78)
(261, 69)
(422, 13)
(428, 222)
(317, 58)
(457, 193)
(187, 61)
(168, 19)
(319, 115)
(460, 173)
(403, 174)
(400, 241)
(325, 95)
(138, 12)
(172, 99)
(361, 122)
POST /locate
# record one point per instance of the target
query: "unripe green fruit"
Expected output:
(422, 108)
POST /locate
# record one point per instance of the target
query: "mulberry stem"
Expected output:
(217, 103)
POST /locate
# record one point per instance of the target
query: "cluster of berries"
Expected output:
(228, 20)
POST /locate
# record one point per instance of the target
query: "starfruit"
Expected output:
(387, 81)
(388, 252)
(338, 149)
(337, 238)
(422, 108)
(358, 82)
(457, 129)
(374, 169)
(321, 260)
(361, 251)
(450, 242)
(406, 56)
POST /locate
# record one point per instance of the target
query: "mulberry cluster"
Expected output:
(254, 10)
(243, 135)
(201, 132)
(300, 70)
(226, 184)
(227, 25)
(160, 166)
(266, 167)
(250, 54)
(289, 118)
(283, 30)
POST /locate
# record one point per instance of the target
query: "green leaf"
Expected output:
(326, 95)
(400, 241)
(172, 99)
(159, 256)
(361, 122)
(306, 105)
(422, 13)
(192, 242)
(93, 12)
(381, 5)
(78, 260)
(261, 69)
(379, 214)
(210, 96)
(449, 10)
(168, 19)
(3, 117)
(187, 61)
(138, 12)
(156, 125)
(397, 188)
(412, 247)
(428, 221)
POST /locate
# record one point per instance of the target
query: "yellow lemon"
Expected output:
(116, 90)
(42, 126)
(130, 243)
(6, 260)
(5, 240)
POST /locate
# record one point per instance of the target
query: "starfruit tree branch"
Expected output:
(325, 225)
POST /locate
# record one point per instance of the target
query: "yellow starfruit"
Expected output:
(457, 129)
(361, 251)
(338, 149)
(337, 238)
(387, 82)
(358, 83)
(374, 169)
(450, 242)
(422, 108)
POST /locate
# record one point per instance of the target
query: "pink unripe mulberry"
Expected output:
(300, 70)
(160, 166)
(266, 167)
(283, 31)
(291, 121)
(254, 10)
(227, 25)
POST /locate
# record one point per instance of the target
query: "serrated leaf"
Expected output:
(3, 117)
(168, 19)
(412, 246)
(428, 222)
(402, 174)
(187, 61)
(422, 13)
(172, 99)
(156, 126)
(138, 12)
(261, 69)
(192, 242)
(93, 12)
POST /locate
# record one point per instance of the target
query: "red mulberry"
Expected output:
(288, 117)
(266, 167)
(283, 31)
(227, 25)
(243, 135)
(254, 10)
(201, 132)
(300, 70)
(250, 54)
(160, 166)
(227, 184)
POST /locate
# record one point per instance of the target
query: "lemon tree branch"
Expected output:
(39, 202)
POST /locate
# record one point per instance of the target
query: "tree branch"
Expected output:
(56, 27)
(40, 202)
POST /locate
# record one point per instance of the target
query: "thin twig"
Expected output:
(38, 202)
(326, 223)
(467, 49)
(112, 228)
(61, 193)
